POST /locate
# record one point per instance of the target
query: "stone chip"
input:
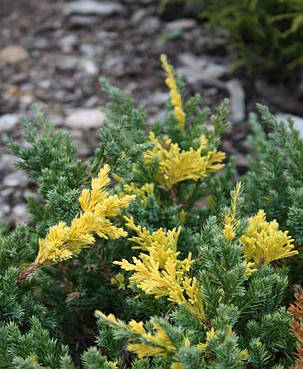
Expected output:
(13, 54)
(85, 7)
(85, 119)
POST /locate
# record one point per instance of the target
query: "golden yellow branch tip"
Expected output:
(264, 242)
(63, 242)
(231, 223)
(175, 95)
(159, 272)
(176, 166)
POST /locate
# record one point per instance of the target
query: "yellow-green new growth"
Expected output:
(175, 95)
(211, 335)
(264, 242)
(144, 343)
(158, 272)
(176, 166)
(141, 192)
(230, 221)
(63, 242)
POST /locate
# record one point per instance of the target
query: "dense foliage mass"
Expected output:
(266, 34)
(148, 255)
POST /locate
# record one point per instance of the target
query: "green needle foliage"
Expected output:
(157, 263)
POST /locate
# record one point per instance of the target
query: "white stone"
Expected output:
(13, 54)
(8, 122)
(6, 161)
(85, 119)
(237, 100)
(89, 66)
(15, 179)
(181, 24)
(298, 121)
(4, 209)
(68, 42)
(66, 62)
(200, 68)
(88, 49)
(20, 210)
(83, 20)
(92, 7)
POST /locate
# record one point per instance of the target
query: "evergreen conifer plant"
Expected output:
(145, 256)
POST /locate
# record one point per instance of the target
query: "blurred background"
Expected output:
(53, 52)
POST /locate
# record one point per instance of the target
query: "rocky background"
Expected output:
(52, 53)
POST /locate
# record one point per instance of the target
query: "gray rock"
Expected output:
(92, 102)
(88, 50)
(150, 25)
(15, 179)
(19, 210)
(106, 35)
(298, 121)
(6, 161)
(4, 209)
(92, 7)
(138, 16)
(44, 83)
(26, 100)
(200, 68)
(237, 100)
(68, 42)
(66, 63)
(71, 63)
(19, 213)
(83, 20)
(41, 43)
(89, 66)
(181, 24)
(158, 98)
(57, 120)
(13, 54)
(114, 65)
(85, 119)
(8, 122)
(6, 193)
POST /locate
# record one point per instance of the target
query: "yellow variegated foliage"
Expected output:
(182, 216)
(142, 192)
(264, 242)
(118, 280)
(62, 241)
(211, 334)
(176, 366)
(157, 344)
(158, 272)
(230, 218)
(250, 268)
(176, 166)
(175, 95)
(143, 343)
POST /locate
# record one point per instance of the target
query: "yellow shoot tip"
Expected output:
(264, 242)
(176, 166)
(175, 95)
(63, 242)
(230, 218)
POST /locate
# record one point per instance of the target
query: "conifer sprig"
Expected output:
(264, 242)
(159, 272)
(63, 242)
(175, 95)
(176, 166)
